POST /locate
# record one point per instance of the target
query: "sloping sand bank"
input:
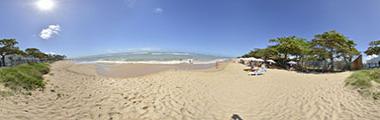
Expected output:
(77, 92)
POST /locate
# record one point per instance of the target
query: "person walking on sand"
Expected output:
(190, 61)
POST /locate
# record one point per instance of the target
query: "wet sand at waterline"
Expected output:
(77, 92)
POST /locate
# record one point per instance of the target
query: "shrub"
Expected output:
(25, 76)
(366, 81)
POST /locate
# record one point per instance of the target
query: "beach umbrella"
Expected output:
(271, 61)
(292, 62)
(251, 59)
(259, 60)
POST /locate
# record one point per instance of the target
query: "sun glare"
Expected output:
(45, 4)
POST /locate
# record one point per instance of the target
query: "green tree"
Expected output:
(265, 53)
(374, 48)
(36, 53)
(290, 46)
(348, 52)
(55, 57)
(8, 47)
(331, 45)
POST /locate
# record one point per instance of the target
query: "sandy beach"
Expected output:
(76, 91)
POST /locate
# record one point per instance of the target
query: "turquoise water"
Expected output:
(152, 57)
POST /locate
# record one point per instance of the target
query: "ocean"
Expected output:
(152, 57)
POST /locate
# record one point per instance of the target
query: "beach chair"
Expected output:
(260, 71)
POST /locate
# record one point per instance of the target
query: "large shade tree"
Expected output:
(290, 46)
(332, 45)
(8, 47)
(265, 53)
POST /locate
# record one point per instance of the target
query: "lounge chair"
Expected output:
(260, 71)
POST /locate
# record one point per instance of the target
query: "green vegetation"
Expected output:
(24, 77)
(366, 81)
(9, 47)
(323, 49)
(333, 45)
(374, 48)
(23, 70)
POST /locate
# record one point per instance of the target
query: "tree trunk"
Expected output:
(286, 56)
(349, 63)
(332, 64)
(332, 59)
(2, 60)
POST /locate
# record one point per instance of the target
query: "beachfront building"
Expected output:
(373, 62)
(12, 60)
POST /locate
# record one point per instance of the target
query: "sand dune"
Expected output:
(78, 92)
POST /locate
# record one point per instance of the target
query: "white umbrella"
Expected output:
(292, 62)
(259, 60)
(251, 58)
(271, 61)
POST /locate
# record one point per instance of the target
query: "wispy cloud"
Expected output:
(50, 31)
(158, 11)
(130, 3)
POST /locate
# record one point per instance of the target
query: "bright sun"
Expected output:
(45, 4)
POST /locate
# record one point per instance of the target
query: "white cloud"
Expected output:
(131, 3)
(50, 31)
(158, 10)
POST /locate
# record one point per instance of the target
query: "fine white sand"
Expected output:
(78, 92)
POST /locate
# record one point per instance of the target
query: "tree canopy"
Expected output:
(325, 47)
(34, 52)
(290, 46)
(332, 45)
(374, 48)
(9, 47)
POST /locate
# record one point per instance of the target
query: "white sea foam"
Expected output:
(143, 57)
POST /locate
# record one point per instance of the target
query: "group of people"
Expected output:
(257, 68)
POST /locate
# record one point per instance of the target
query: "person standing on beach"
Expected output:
(190, 61)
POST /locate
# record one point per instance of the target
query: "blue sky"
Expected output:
(222, 27)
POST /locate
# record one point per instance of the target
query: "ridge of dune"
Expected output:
(77, 92)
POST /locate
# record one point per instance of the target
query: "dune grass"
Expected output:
(366, 81)
(24, 77)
